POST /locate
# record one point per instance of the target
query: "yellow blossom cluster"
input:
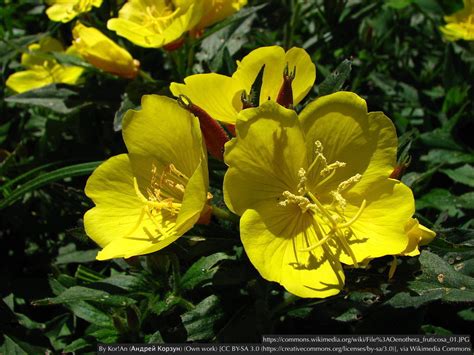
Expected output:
(313, 190)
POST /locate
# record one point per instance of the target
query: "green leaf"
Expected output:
(77, 256)
(218, 48)
(463, 175)
(335, 81)
(201, 322)
(439, 281)
(6, 187)
(13, 346)
(202, 271)
(69, 59)
(77, 344)
(103, 334)
(154, 338)
(47, 178)
(125, 105)
(89, 313)
(467, 314)
(405, 300)
(443, 200)
(80, 293)
(398, 4)
(432, 329)
(169, 301)
(57, 97)
(447, 157)
(126, 282)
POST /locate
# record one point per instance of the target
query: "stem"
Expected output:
(224, 214)
(190, 61)
(145, 76)
(185, 303)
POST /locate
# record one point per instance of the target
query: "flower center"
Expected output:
(329, 221)
(158, 17)
(165, 192)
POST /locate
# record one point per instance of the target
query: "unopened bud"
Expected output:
(399, 170)
(214, 135)
(285, 95)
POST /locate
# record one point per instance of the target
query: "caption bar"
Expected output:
(322, 344)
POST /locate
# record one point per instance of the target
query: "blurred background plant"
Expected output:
(202, 288)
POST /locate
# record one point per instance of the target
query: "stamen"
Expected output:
(351, 181)
(331, 167)
(138, 192)
(356, 216)
(301, 201)
(318, 244)
(347, 248)
(302, 182)
(393, 267)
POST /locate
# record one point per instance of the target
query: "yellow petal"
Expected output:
(275, 59)
(66, 10)
(28, 80)
(103, 53)
(165, 131)
(216, 94)
(265, 158)
(427, 235)
(62, 12)
(272, 239)
(380, 229)
(366, 142)
(67, 74)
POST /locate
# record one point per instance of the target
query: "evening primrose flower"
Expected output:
(220, 95)
(314, 192)
(148, 198)
(153, 24)
(460, 25)
(42, 70)
(66, 10)
(103, 53)
(214, 11)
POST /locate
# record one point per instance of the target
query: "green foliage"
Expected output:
(56, 297)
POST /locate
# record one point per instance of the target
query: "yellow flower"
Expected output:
(148, 198)
(42, 70)
(66, 10)
(103, 53)
(314, 192)
(220, 95)
(217, 10)
(460, 25)
(153, 24)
